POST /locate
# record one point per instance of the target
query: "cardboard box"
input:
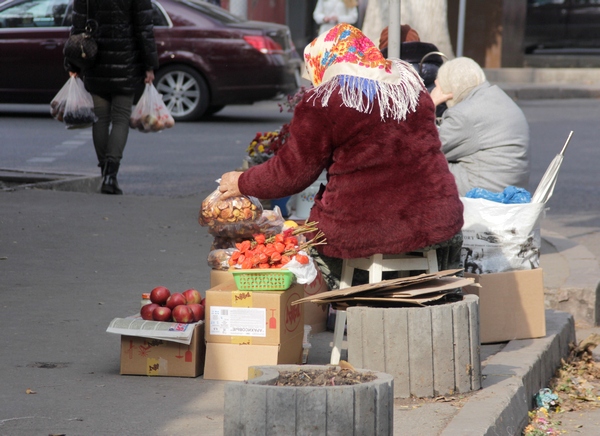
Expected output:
(160, 357)
(315, 315)
(218, 277)
(231, 361)
(252, 317)
(511, 305)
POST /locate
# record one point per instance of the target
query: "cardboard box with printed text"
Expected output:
(511, 305)
(161, 357)
(315, 315)
(252, 317)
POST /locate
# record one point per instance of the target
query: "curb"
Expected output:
(545, 91)
(578, 291)
(86, 183)
(511, 379)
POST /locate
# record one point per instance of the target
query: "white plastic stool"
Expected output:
(419, 260)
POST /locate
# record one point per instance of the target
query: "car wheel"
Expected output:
(184, 92)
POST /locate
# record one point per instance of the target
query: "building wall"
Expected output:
(297, 14)
(273, 11)
(494, 31)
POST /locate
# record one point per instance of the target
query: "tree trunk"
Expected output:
(428, 17)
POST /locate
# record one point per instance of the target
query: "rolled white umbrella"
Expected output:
(546, 186)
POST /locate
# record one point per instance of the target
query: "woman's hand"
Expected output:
(438, 96)
(73, 74)
(149, 77)
(229, 185)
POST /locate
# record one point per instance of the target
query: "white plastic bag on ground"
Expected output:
(500, 237)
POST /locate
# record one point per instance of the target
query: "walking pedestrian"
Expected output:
(126, 59)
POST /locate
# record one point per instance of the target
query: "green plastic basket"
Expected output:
(262, 279)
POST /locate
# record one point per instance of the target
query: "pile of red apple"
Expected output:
(184, 307)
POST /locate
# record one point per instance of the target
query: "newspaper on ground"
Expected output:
(168, 331)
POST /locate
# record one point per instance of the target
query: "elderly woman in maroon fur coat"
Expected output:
(370, 123)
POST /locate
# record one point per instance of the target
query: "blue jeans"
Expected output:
(109, 141)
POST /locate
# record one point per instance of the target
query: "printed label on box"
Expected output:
(234, 321)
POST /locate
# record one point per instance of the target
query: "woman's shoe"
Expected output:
(110, 185)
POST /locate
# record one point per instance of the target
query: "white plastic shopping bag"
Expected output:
(500, 237)
(150, 114)
(73, 105)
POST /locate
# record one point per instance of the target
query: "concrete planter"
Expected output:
(258, 407)
(430, 351)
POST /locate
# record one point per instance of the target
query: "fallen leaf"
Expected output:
(30, 391)
(346, 365)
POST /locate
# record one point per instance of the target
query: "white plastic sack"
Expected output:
(500, 237)
(305, 273)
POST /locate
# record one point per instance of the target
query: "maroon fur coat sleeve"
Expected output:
(389, 189)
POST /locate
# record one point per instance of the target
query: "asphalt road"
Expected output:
(187, 159)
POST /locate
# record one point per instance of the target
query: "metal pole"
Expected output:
(394, 29)
(460, 38)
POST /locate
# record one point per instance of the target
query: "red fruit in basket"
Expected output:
(260, 238)
(159, 295)
(264, 265)
(276, 257)
(280, 247)
(247, 264)
(291, 240)
(161, 313)
(175, 300)
(285, 259)
(192, 296)
(198, 311)
(183, 313)
(147, 310)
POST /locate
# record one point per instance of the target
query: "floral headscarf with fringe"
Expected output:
(345, 57)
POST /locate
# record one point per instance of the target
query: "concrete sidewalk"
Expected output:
(70, 262)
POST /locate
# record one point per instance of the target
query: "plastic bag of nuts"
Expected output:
(215, 211)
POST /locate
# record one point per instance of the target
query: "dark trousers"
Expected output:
(111, 130)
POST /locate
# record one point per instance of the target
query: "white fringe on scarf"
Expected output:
(395, 99)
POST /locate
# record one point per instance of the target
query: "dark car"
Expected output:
(208, 57)
(562, 26)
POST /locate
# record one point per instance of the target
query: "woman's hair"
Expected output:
(459, 77)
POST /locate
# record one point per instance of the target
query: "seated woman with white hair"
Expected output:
(484, 134)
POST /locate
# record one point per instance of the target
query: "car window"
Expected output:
(213, 12)
(159, 16)
(546, 2)
(34, 13)
(586, 2)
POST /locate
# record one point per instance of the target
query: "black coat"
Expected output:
(126, 46)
